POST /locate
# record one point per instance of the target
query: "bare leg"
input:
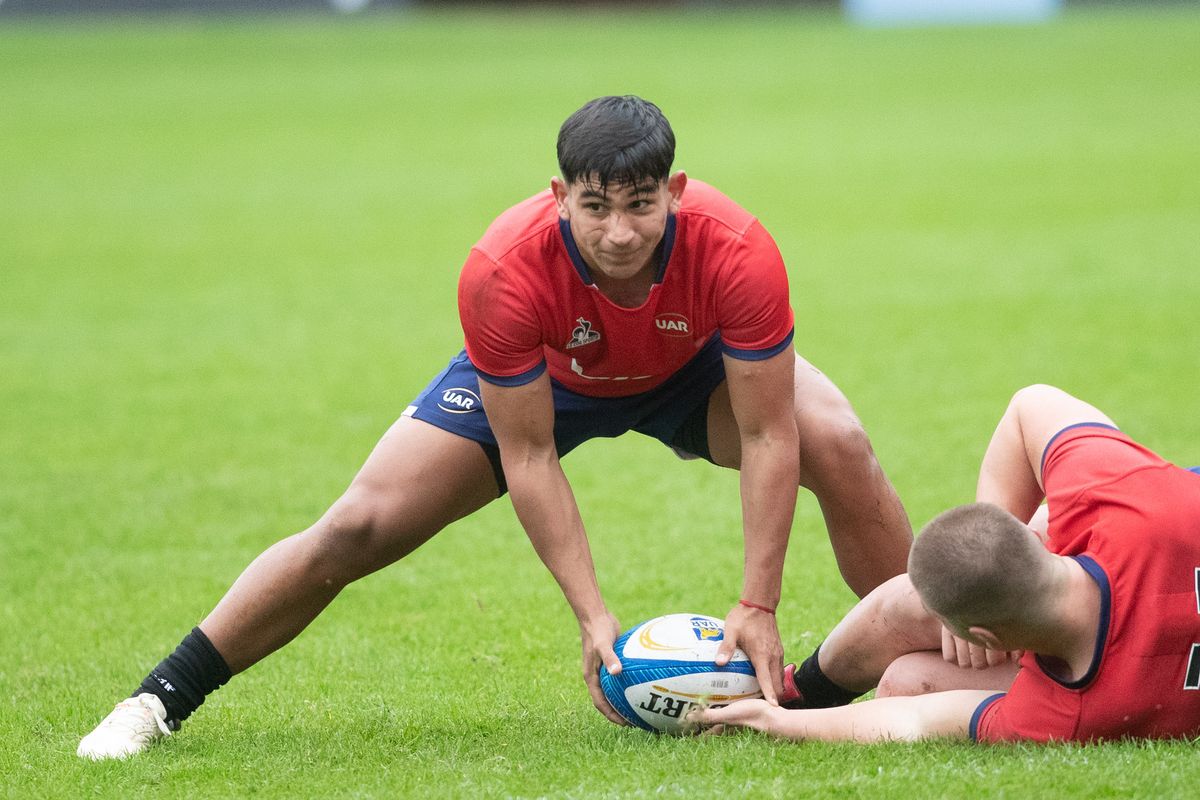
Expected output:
(890, 642)
(926, 672)
(418, 479)
(888, 623)
(868, 528)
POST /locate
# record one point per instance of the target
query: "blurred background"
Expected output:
(230, 237)
(875, 10)
(862, 10)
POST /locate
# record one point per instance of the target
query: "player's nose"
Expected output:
(620, 233)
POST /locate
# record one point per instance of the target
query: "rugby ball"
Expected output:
(667, 669)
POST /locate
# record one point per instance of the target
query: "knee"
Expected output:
(849, 445)
(351, 538)
(835, 444)
(882, 602)
(897, 603)
(902, 678)
(350, 521)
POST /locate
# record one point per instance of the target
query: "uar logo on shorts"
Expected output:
(583, 334)
(460, 401)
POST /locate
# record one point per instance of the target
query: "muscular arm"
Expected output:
(940, 715)
(761, 395)
(522, 418)
(1011, 473)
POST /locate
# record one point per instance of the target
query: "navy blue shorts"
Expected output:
(675, 412)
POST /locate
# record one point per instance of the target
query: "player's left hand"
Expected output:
(756, 633)
(754, 714)
(968, 655)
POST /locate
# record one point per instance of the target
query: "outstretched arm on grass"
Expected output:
(905, 719)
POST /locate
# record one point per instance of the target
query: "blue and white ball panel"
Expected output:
(668, 668)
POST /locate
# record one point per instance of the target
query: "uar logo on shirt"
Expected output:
(672, 324)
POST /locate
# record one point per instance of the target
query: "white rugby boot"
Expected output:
(132, 727)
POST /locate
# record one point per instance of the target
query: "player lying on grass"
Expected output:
(623, 298)
(1107, 610)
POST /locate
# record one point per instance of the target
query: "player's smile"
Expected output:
(617, 228)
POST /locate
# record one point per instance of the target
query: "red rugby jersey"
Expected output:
(1132, 520)
(527, 304)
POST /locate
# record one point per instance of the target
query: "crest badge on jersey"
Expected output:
(583, 334)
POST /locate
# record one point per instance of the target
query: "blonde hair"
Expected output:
(979, 565)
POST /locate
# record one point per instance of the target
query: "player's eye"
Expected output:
(595, 208)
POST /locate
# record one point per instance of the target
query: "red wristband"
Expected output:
(756, 606)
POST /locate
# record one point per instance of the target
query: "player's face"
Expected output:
(618, 228)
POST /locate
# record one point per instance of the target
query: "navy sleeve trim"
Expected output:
(759, 355)
(528, 376)
(973, 728)
(1054, 438)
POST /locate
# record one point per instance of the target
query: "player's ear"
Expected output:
(675, 186)
(559, 187)
(987, 638)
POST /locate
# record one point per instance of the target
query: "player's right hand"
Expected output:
(757, 634)
(597, 637)
(967, 655)
(754, 714)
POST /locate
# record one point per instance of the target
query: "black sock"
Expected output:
(816, 689)
(186, 677)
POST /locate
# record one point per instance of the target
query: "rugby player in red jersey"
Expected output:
(1106, 609)
(623, 298)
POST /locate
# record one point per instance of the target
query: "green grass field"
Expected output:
(228, 254)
